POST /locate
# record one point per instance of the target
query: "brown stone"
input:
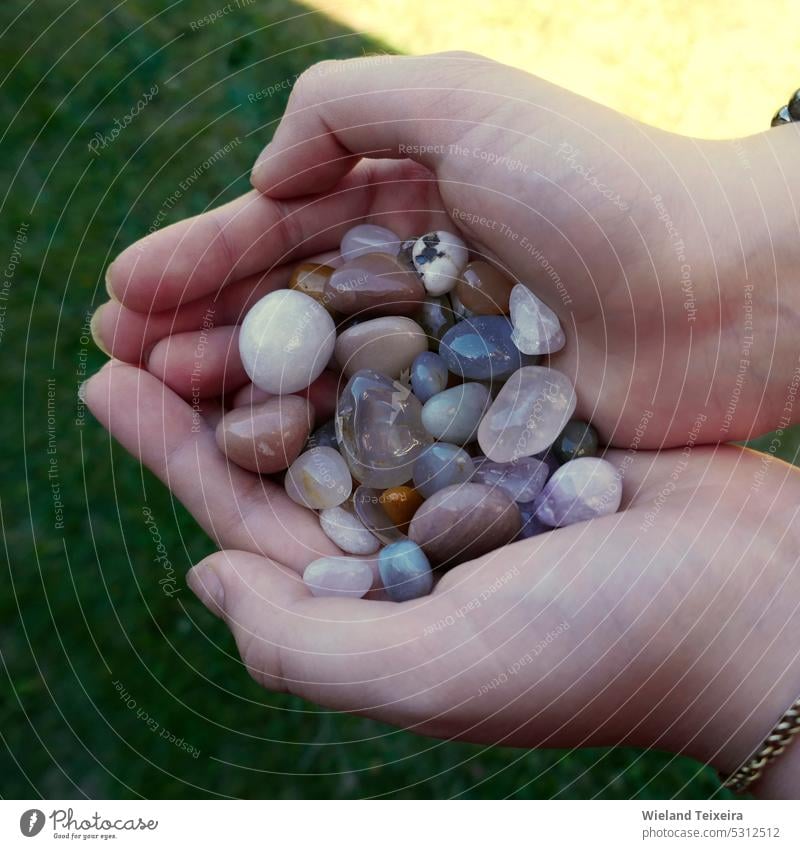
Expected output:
(267, 437)
(483, 289)
(310, 279)
(400, 503)
(374, 284)
(387, 345)
(464, 521)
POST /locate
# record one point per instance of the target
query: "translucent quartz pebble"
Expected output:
(441, 465)
(483, 289)
(578, 439)
(464, 521)
(436, 317)
(319, 478)
(481, 349)
(286, 341)
(345, 529)
(527, 415)
(338, 576)
(374, 284)
(581, 489)
(388, 345)
(537, 329)
(440, 259)
(454, 415)
(531, 526)
(379, 429)
(324, 436)
(522, 480)
(400, 504)
(368, 239)
(405, 571)
(266, 437)
(372, 512)
(429, 375)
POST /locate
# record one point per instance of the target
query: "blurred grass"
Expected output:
(83, 615)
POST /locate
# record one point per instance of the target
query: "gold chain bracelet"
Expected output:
(775, 744)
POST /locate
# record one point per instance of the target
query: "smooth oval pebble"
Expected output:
(484, 289)
(373, 513)
(374, 284)
(345, 529)
(400, 504)
(581, 489)
(338, 576)
(481, 348)
(388, 345)
(523, 479)
(286, 341)
(368, 239)
(429, 375)
(440, 258)
(379, 429)
(537, 329)
(454, 414)
(531, 526)
(527, 415)
(436, 317)
(405, 571)
(441, 465)
(319, 478)
(578, 439)
(267, 437)
(310, 279)
(462, 522)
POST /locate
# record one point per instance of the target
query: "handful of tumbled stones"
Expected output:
(450, 439)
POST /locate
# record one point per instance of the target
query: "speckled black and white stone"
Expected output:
(440, 259)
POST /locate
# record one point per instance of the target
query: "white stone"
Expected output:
(581, 489)
(537, 329)
(345, 529)
(286, 341)
(319, 479)
(440, 259)
(338, 576)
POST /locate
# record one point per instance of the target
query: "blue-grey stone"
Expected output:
(428, 375)
(454, 415)
(441, 465)
(481, 348)
(405, 571)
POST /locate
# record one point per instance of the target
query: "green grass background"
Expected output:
(81, 607)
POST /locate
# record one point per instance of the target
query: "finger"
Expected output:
(199, 364)
(406, 106)
(130, 336)
(322, 394)
(348, 654)
(198, 256)
(236, 508)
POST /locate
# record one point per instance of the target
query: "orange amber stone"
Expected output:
(400, 504)
(483, 289)
(310, 279)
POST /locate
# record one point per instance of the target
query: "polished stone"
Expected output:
(405, 571)
(267, 437)
(578, 439)
(379, 429)
(436, 317)
(484, 289)
(481, 349)
(522, 480)
(343, 528)
(429, 375)
(527, 415)
(441, 465)
(454, 414)
(310, 279)
(319, 478)
(537, 329)
(286, 341)
(324, 436)
(338, 576)
(460, 311)
(582, 489)
(400, 504)
(373, 512)
(374, 284)
(440, 258)
(531, 526)
(388, 345)
(464, 521)
(368, 239)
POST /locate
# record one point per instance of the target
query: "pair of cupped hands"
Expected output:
(662, 625)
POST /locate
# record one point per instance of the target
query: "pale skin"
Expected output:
(671, 624)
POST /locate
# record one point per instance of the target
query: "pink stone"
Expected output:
(528, 414)
(367, 239)
(338, 576)
(537, 329)
(581, 489)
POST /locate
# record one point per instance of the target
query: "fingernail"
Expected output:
(261, 160)
(108, 283)
(206, 585)
(94, 326)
